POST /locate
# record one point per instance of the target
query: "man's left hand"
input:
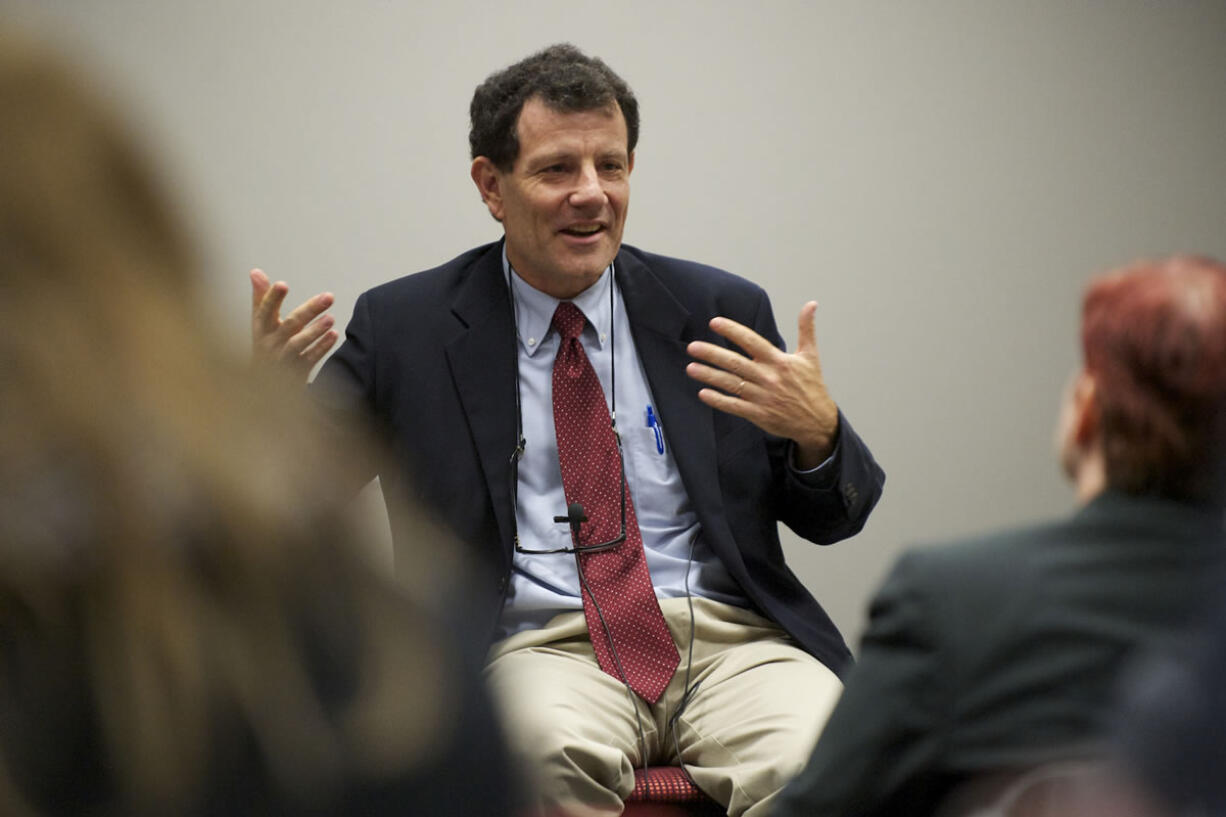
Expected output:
(782, 393)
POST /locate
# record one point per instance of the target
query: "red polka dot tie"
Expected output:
(617, 578)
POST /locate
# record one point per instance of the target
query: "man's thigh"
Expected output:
(760, 706)
(573, 725)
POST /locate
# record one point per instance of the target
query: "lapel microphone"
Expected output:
(576, 516)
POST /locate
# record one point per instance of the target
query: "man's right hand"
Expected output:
(300, 339)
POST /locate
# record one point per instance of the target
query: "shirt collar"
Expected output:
(534, 309)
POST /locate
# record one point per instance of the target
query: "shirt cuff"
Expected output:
(820, 476)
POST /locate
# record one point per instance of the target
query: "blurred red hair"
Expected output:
(1154, 338)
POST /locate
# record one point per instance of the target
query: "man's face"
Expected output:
(563, 203)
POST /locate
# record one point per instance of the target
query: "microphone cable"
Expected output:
(689, 691)
(617, 662)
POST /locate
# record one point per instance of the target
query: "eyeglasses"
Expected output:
(516, 455)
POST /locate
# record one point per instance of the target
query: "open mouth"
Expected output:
(583, 231)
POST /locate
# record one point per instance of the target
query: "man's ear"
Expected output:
(630, 164)
(1086, 415)
(489, 184)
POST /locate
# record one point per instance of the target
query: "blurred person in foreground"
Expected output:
(189, 623)
(990, 657)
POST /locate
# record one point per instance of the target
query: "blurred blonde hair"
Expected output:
(166, 520)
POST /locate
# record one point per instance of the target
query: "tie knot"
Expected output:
(568, 320)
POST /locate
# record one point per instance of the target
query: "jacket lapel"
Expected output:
(482, 362)
(662, 327)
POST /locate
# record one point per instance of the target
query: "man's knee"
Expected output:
(570, 733)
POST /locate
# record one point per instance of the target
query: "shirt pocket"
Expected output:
(649, 462)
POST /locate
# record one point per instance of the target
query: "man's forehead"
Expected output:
(542, 115)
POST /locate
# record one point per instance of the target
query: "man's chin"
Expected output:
(589, 265)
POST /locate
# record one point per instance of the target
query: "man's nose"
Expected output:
(588, 189)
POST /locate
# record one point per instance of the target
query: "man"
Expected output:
(986, 658)
(539, 394)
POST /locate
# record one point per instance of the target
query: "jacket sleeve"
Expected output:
(833, 502)
(879, 749)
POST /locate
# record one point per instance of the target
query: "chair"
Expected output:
(666, 791)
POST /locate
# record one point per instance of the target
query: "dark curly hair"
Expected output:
(565, 78)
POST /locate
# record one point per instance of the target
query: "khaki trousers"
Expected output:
(752, 722)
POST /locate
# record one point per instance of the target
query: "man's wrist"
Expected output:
(810, 457)
(809, 454)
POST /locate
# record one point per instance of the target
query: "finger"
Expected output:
(740, 334)
(728, 404)
(313, 332)
(316, 351)
(806, 329)
(305, 313)
(722, 358)
(729, 382)
(259, 288)
(267, 315)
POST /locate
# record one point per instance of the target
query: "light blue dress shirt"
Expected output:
(545, 585)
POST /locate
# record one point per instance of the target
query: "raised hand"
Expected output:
(300, 339)
(780, 392)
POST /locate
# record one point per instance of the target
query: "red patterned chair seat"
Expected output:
(664, 791)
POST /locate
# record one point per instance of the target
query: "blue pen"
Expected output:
(654, 425)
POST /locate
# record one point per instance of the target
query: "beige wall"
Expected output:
(941, 176)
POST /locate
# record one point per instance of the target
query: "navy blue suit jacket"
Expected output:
(432, 357)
